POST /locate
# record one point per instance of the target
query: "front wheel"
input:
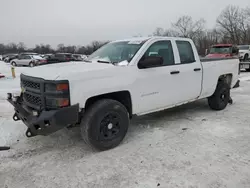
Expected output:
(13, 63)
(105, 124)
(245, 58)
(219, 100)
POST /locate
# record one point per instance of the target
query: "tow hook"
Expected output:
(29, 133)
(15, 117)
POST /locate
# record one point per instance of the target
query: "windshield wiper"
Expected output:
(108, 62)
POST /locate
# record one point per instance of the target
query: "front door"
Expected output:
(26, 59)
(156, 87)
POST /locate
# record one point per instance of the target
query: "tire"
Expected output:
(105, 124)
(245, 57)
(219, 100)
(13, 63)
(31, 64)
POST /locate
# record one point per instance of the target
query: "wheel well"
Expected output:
(227, 78)
(123, 97)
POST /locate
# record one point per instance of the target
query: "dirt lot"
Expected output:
(189, 146)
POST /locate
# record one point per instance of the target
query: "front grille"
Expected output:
(32, 91)
(34, 100)
(30, 84)
(34, 94)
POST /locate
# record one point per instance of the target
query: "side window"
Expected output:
(162, 49)
(186, 52)
(21, 56)
(26, 57)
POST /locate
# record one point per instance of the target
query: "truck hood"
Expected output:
(53, 71)
(243, 51)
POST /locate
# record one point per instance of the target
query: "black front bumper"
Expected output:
(44, 122)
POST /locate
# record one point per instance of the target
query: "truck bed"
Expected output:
(213, 68)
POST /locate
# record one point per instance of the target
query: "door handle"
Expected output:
(175, 72)
(197, 69)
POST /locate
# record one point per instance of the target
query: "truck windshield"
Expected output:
(116, 52)
(220, 50)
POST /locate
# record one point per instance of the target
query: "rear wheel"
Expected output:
(13, 63)
(105, 124)
(219, 100)
(31, 64)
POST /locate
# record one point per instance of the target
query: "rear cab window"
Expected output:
(186, 52)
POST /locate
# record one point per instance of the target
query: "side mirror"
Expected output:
(149, 62)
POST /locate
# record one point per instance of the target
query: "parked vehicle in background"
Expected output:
(28, 60)
(60, 57)
(10, 57)
(223, 50)
(79, 57)
(4, 56)
(46, 55)
(244, 52)
(123, 78)
(28, 53)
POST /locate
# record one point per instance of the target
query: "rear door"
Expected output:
(189, 77)
(26, 60)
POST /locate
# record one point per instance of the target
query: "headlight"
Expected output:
(62, 87)
(57, 94)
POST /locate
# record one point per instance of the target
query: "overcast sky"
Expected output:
(79, 22)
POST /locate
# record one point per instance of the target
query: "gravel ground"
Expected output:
(189, 146)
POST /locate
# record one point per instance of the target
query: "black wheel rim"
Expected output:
(110, 126)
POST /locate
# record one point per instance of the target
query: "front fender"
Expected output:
(83, 88)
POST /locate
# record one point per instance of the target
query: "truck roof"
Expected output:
(150, 38)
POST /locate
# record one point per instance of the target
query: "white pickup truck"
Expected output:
(122, 79)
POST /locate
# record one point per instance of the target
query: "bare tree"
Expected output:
(158, 32)
(21, 47)
(234, 24)
(60, 48)
(186, 27)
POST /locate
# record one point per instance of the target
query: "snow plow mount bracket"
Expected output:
(29, 133)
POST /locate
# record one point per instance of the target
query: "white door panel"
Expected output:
(157, 90)
(188, 81)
